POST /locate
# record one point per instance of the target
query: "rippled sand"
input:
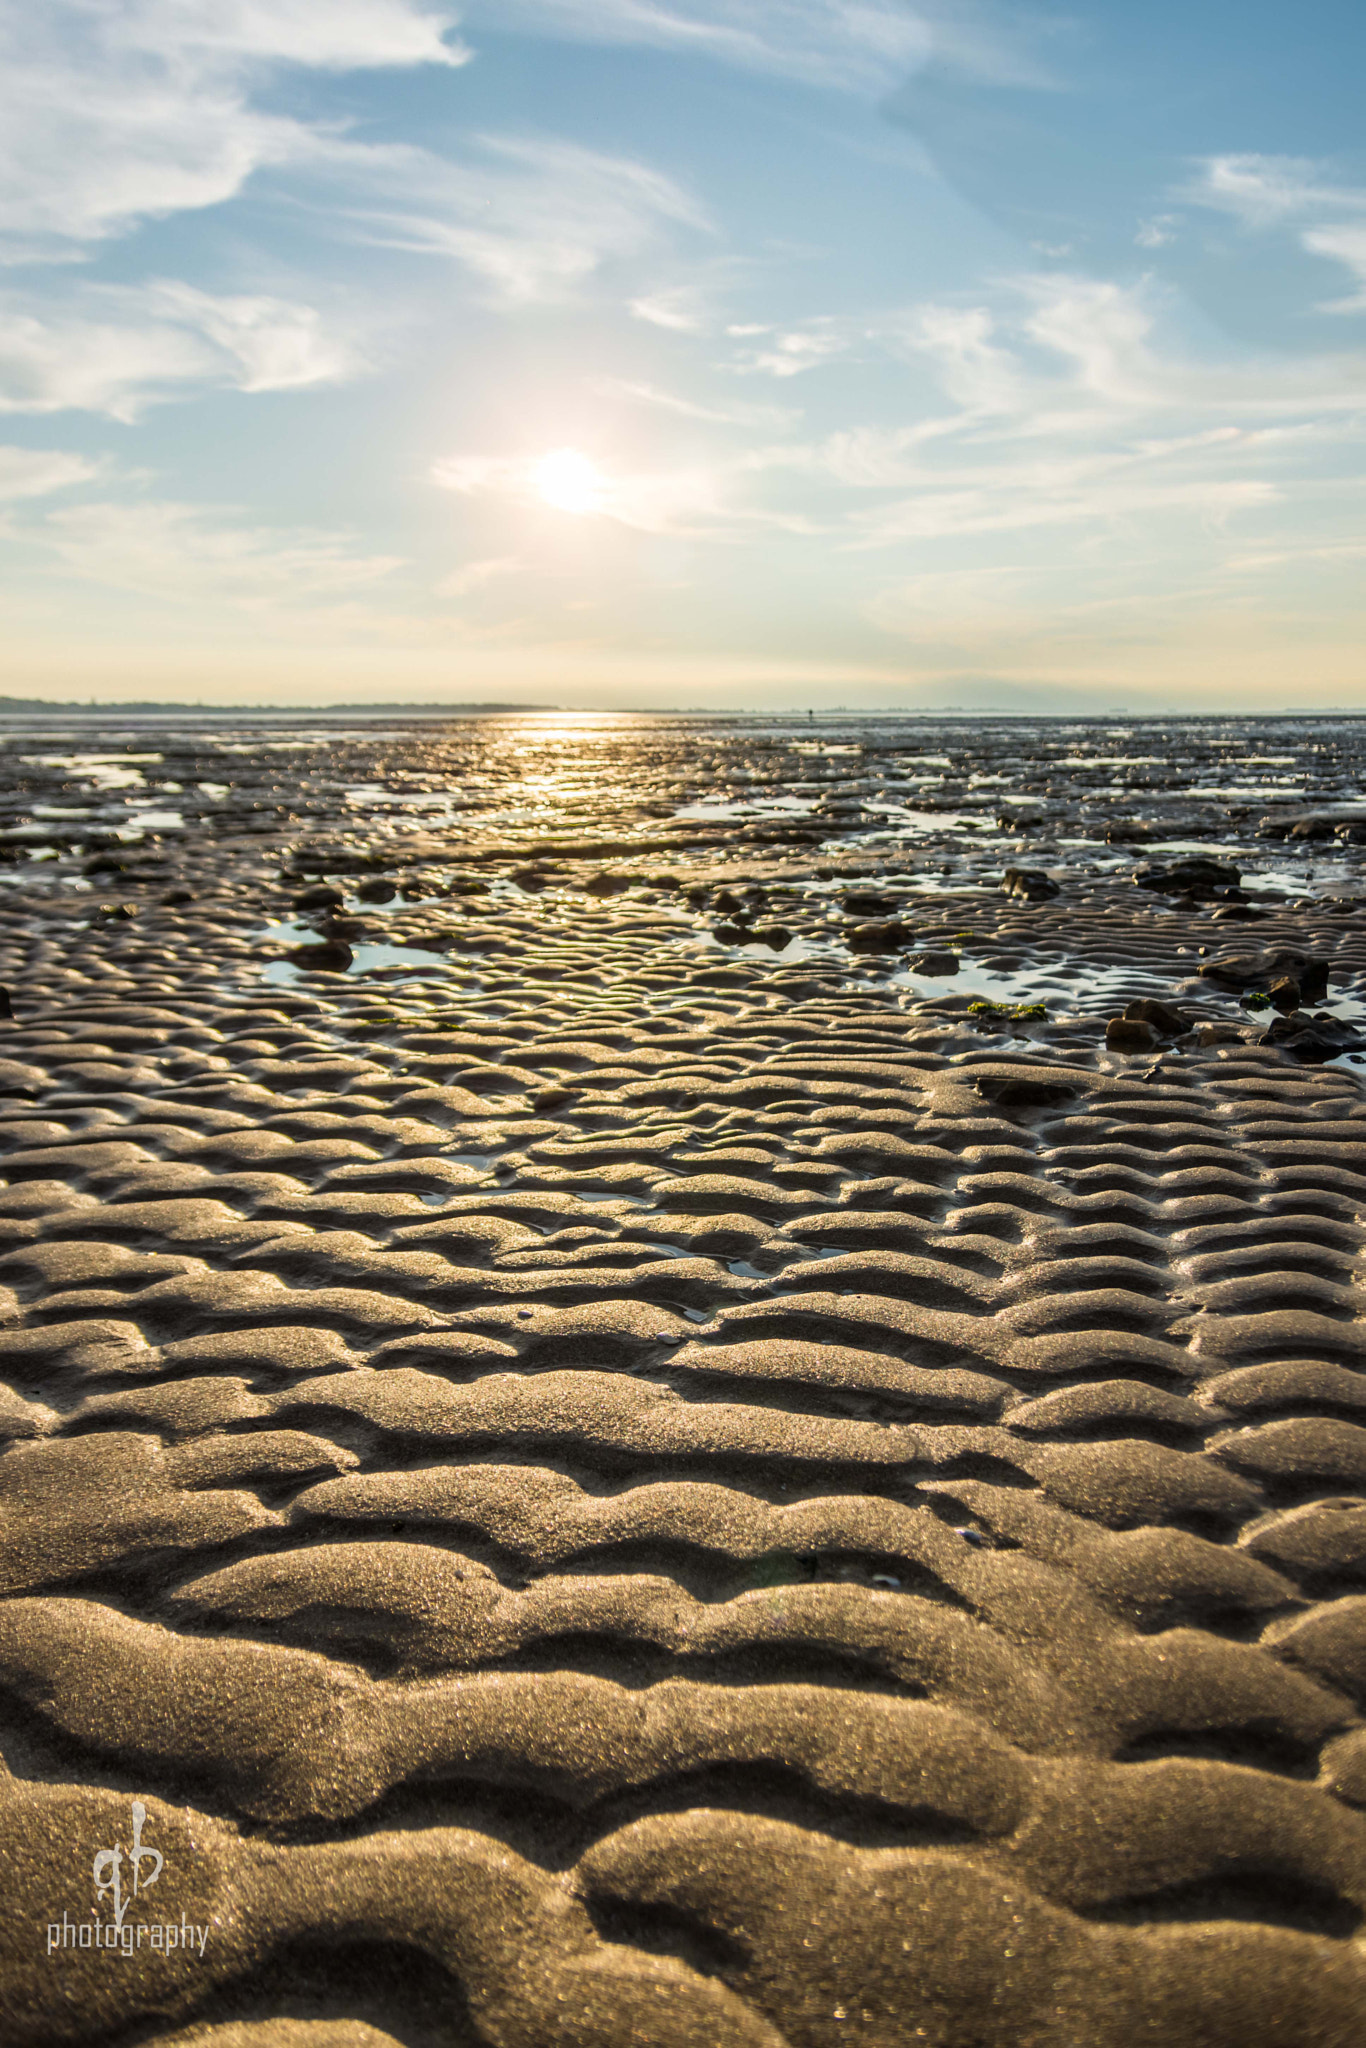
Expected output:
(636, 1413)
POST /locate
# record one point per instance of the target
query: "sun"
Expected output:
(568, 481)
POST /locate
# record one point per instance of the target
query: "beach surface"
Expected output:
(682, 1382)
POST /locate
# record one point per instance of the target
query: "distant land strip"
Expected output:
(78, 706)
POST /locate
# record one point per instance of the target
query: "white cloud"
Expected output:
(859, 46)
(973, 368)
(772, 417)
(1271, 191)
(114, 111)
(116, 350)
(36, 472)
(182, 554)
(1264, 190)
(478, 575)
(1345, 244)
(1157, 232)
(788, 354)
(678, 308)
(532, 218)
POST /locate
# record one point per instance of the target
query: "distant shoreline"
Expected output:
(22, 707)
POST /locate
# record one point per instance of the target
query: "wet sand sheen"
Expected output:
(635, 1412)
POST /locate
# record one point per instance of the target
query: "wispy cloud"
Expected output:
(533, 218)
(1273, 191)
(38, 472)
(182, 554)
(115, 113)
(858, 46)
(790, 351)
(773, 418)
(1261, 191)
(678, 307)
(1073, 407)
(1345, 244)
(478, 575)
(117, 350)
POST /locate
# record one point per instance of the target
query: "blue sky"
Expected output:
(689, 353)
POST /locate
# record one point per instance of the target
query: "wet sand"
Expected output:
(683, 1383)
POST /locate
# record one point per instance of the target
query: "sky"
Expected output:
(684, 354)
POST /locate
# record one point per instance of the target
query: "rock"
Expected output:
(1312, 828)
(174, 898)
(327, 956)
(116, 913)
(727, 904)
(1239, 913)
(1199, 877)
(322, 896)
(934, 963)
(1022, 1091)
(1285, 994)
(891, 937)
(1215, 1034)
(6, 1007)
(733, 934)
(1126, 832)
(1030, 883)
(1313, 1037)
(1314, 825)
(378, 890)
(867, 903)
(775, 935)
(1163, 1019)
(1130, 1035)
(606, 885)
(1262, 970)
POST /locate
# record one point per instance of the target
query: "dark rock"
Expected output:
(1162, 1018)
(105, 864)
(1314, 825)
(6, 1007)
(176, 897)
(1130, 1035)
(116, 913)
(1239, 913)
(1022, 1091)
(379, 890)
(934, 963)
(1313, 1037)
(606, 885)
(733, 934)
(328, 956)
(891, 937)
(775, 935)
(727, 904)
(1238, 971)
(1031, 884)
(867, 903)
(1285, 994)
(1198, 877)
(322, 896)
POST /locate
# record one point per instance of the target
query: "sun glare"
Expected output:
(568, 481)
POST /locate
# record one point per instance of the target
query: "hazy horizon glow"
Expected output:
(709, 353)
